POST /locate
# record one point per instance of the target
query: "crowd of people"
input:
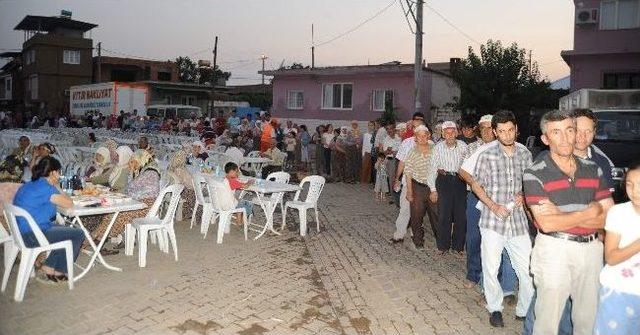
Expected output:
(531, 227)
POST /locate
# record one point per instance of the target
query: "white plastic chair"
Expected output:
(152, 223)
(279, 177)
(29, 255)
(7, 241)
(215, 187)
(316, 184)
(200, 184)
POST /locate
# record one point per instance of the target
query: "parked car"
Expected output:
(174, 111)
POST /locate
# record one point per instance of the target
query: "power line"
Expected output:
(452, 25)
(359, 25)
(552, 62)
(406, 16)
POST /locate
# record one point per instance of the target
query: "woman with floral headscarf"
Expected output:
(112, 146)
(144, 186)
(116, 177)
(179, 173)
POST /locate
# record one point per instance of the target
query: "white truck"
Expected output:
(618, 128)
(108, 98)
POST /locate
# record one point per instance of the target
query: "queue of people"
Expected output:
(531, 229)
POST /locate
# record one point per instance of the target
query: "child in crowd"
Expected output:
(290, 146)
(305, 139)
(619, 308)
(231, 171)
(381, 188)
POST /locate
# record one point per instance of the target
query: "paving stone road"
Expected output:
(346, 280)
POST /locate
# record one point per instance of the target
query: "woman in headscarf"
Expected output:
(101, 162)
(319, 158)
(144, 186)
(352, 155)
(112, 146)
(339, 154)
(179, 172)
(116, 177)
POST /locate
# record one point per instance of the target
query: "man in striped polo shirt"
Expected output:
(568, 198)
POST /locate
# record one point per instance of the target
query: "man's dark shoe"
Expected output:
(520, 318)
(394, 241)
(496, 320)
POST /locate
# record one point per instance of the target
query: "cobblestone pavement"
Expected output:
(346, 280)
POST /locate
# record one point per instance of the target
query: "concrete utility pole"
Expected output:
(263, 57)
(417, 66)
(213, 75)
(313, 50)
(99, 62)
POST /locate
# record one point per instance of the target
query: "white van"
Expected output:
(173, 111)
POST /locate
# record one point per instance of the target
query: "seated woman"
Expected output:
(178, 170)
(117, 176)
(12, 169)
(277, 159)
(41, 151)
(144, 186)
(101, 163)
(40, 197)
(198, 151)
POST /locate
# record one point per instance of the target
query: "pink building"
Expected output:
(358, 92)
(606, 46)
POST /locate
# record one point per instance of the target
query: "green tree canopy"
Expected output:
(190, 72)
(501, 78)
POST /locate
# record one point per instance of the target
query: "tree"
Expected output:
(502, 78)
(190, 72)
(187, 69)
(205, 75)
(499, 78)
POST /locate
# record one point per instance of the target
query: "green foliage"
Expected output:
(187, 69)
(501, 78)
(190, 72)
(388, 116)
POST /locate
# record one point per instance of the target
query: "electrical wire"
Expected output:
(452, 25)
(378, 13)
(406, 16)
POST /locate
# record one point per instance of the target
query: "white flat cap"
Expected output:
(449, 124)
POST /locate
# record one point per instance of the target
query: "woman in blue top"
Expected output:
(40, 197)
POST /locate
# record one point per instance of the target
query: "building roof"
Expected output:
(391, 67)
(130, 61)
(49, 23)
(10, 54)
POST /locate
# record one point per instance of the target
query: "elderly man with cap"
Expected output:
(450, 190)
(420, 179)
(389, 147)
(402, 221)
(472, 245)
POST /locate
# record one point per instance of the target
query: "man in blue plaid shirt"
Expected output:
(503, 222)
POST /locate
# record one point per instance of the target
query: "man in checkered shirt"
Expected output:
(503, 222)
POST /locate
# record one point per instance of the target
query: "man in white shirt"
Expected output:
(451, 191)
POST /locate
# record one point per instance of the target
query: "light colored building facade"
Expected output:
(343, 93)
(606, 47)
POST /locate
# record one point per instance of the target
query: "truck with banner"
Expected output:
(108, 98)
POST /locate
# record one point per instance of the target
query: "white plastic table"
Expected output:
(261, 187)
(77, 211)
(257, 163)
